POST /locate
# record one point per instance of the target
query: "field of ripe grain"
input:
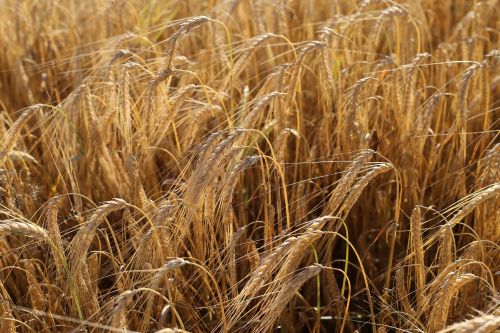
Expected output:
(249, 166)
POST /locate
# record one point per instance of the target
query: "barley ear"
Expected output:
(416, 237)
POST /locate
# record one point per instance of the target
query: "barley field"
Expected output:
(249, 166)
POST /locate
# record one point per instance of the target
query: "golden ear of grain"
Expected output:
(81, 242)
(474, 200)
(37, 296)
(265, 268)
(85, 288)
(17, 227)
(231, 180)
(402, 293)
(259, 15)
(15, 155)
(55, 238)
(12, 134)
(487, 219)
(283, 17)
(481, 324)
(252, 255)
(477, 198)
(93, 272)
(119, 314)
(153, 89)
(418, 248)
(286, 257)
(7, 320)
(445, 252)
(173, 41)
(462, 95)
(286, 293)
(344, 184)
(358, 188)
(250, 120)
(244, 57)
(299, 248)
(256, 280)
(409, 90)
(439, 314)
(230, 262)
